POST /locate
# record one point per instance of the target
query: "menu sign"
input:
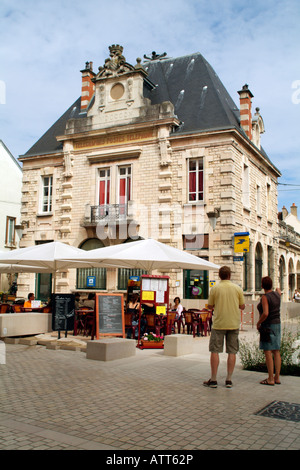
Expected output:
(110, 315)
(63, 312)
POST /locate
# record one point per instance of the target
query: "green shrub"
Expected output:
(253, 358)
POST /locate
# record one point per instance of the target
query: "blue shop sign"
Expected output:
(91, 281)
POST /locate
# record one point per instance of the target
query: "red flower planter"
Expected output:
(152, 344)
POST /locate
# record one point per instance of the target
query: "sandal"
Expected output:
(211, 383)
(265, 382)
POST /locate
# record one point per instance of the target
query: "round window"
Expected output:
(117, 91)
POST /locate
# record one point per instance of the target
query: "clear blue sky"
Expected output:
(44, 45)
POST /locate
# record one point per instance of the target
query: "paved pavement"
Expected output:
(57, 399)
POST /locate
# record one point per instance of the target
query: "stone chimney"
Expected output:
(245, 110)
(294, 210)
(284, 212)
(87, 87)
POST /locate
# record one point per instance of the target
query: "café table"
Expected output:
(202, 317)
(85, 322)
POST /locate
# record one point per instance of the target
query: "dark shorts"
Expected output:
(216, 342)
(275, 339)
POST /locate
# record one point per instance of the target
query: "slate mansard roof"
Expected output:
(200, 99)
(201, 102)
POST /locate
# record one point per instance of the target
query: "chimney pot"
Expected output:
(87, 87)
(245, 110)
(284, 212)
(294, 209)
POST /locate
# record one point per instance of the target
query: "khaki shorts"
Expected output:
(216, 341)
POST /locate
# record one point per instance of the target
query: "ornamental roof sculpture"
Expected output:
(116, 65)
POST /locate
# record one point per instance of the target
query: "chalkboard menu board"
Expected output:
(63, 312)
(110, 315)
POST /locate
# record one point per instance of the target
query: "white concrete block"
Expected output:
(178, 345)
(24, 324)
(2, 353)
(110, 349)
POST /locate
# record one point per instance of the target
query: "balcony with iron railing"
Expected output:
(105, 214)
(288, 234)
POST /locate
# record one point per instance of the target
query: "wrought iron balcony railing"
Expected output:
(106, 213)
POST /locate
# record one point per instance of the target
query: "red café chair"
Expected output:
(46, 309)
(191, 322)
(129, 325)
(17, 308)
(78, 323)
(89, 325)
(206, 321)
(203, 317)
(153, 324)
(170, 325)
(5, 308)
(180, 322)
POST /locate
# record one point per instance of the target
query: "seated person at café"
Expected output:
(27, 304)
(179, 315)
(90, 301)
(77, 301)
(133, 308)
(133, 305)
(177, 307)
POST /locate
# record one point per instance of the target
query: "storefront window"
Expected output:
(43, 286)
(195, 284)
(43, 281)
(124, 275)
(91, 278)
(258, 267)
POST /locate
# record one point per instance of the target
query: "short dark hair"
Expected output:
(177, 298)
(266, 283)
(224, 273)
(30, 295)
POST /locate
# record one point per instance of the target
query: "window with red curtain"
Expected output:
(195, 180)
(124, 186)
(104, 190)
(104, 186)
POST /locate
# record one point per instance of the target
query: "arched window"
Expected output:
(97, 275)
(258, 266)
(281, 272)
(291, 279)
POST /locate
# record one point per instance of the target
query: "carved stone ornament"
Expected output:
(68, 163)
(165, 151)
(116, 64)
(155, 56)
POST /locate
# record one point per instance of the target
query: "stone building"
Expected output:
(10, 206)
(289, 252)
(157, 150)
